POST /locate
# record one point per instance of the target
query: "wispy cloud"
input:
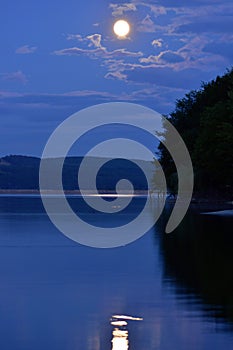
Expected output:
(157, 42)
(163, 57)
(147, 25)
(159, 97)
(219, 47)
(95, 40)
(116, 75)
(91, 40)
(77, 37)
(86, 93)
(26, 49)
(204, 25)
(99, 51)
(9, 94)
(54, 101)
(15, 76)
(168, 77)
(120, 9)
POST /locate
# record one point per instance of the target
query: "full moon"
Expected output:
(121, 28)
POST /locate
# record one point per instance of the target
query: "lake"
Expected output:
(161, 292)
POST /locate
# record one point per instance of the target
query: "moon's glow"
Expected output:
(121, 28)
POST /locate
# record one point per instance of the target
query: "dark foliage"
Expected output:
(204, 119)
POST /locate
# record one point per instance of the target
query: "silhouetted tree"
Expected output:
(204, 119)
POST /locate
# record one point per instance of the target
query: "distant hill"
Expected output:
(22, 173)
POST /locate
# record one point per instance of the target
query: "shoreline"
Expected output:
(195, 200)
(70, 192)
(200, 205)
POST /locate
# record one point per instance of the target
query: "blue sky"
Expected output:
(59, 57)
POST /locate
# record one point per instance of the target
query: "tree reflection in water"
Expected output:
(198, 264)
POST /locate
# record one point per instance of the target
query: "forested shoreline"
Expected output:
(204, 119)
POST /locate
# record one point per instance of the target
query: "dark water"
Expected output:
(57, 294)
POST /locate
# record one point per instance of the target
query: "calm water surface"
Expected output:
(161, 292)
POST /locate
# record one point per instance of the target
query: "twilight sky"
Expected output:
(58, 57)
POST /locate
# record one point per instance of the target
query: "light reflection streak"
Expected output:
(120, 334)
(124, 317)
(119, 323)
(120, 339)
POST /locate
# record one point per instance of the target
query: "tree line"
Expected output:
(204, 119)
